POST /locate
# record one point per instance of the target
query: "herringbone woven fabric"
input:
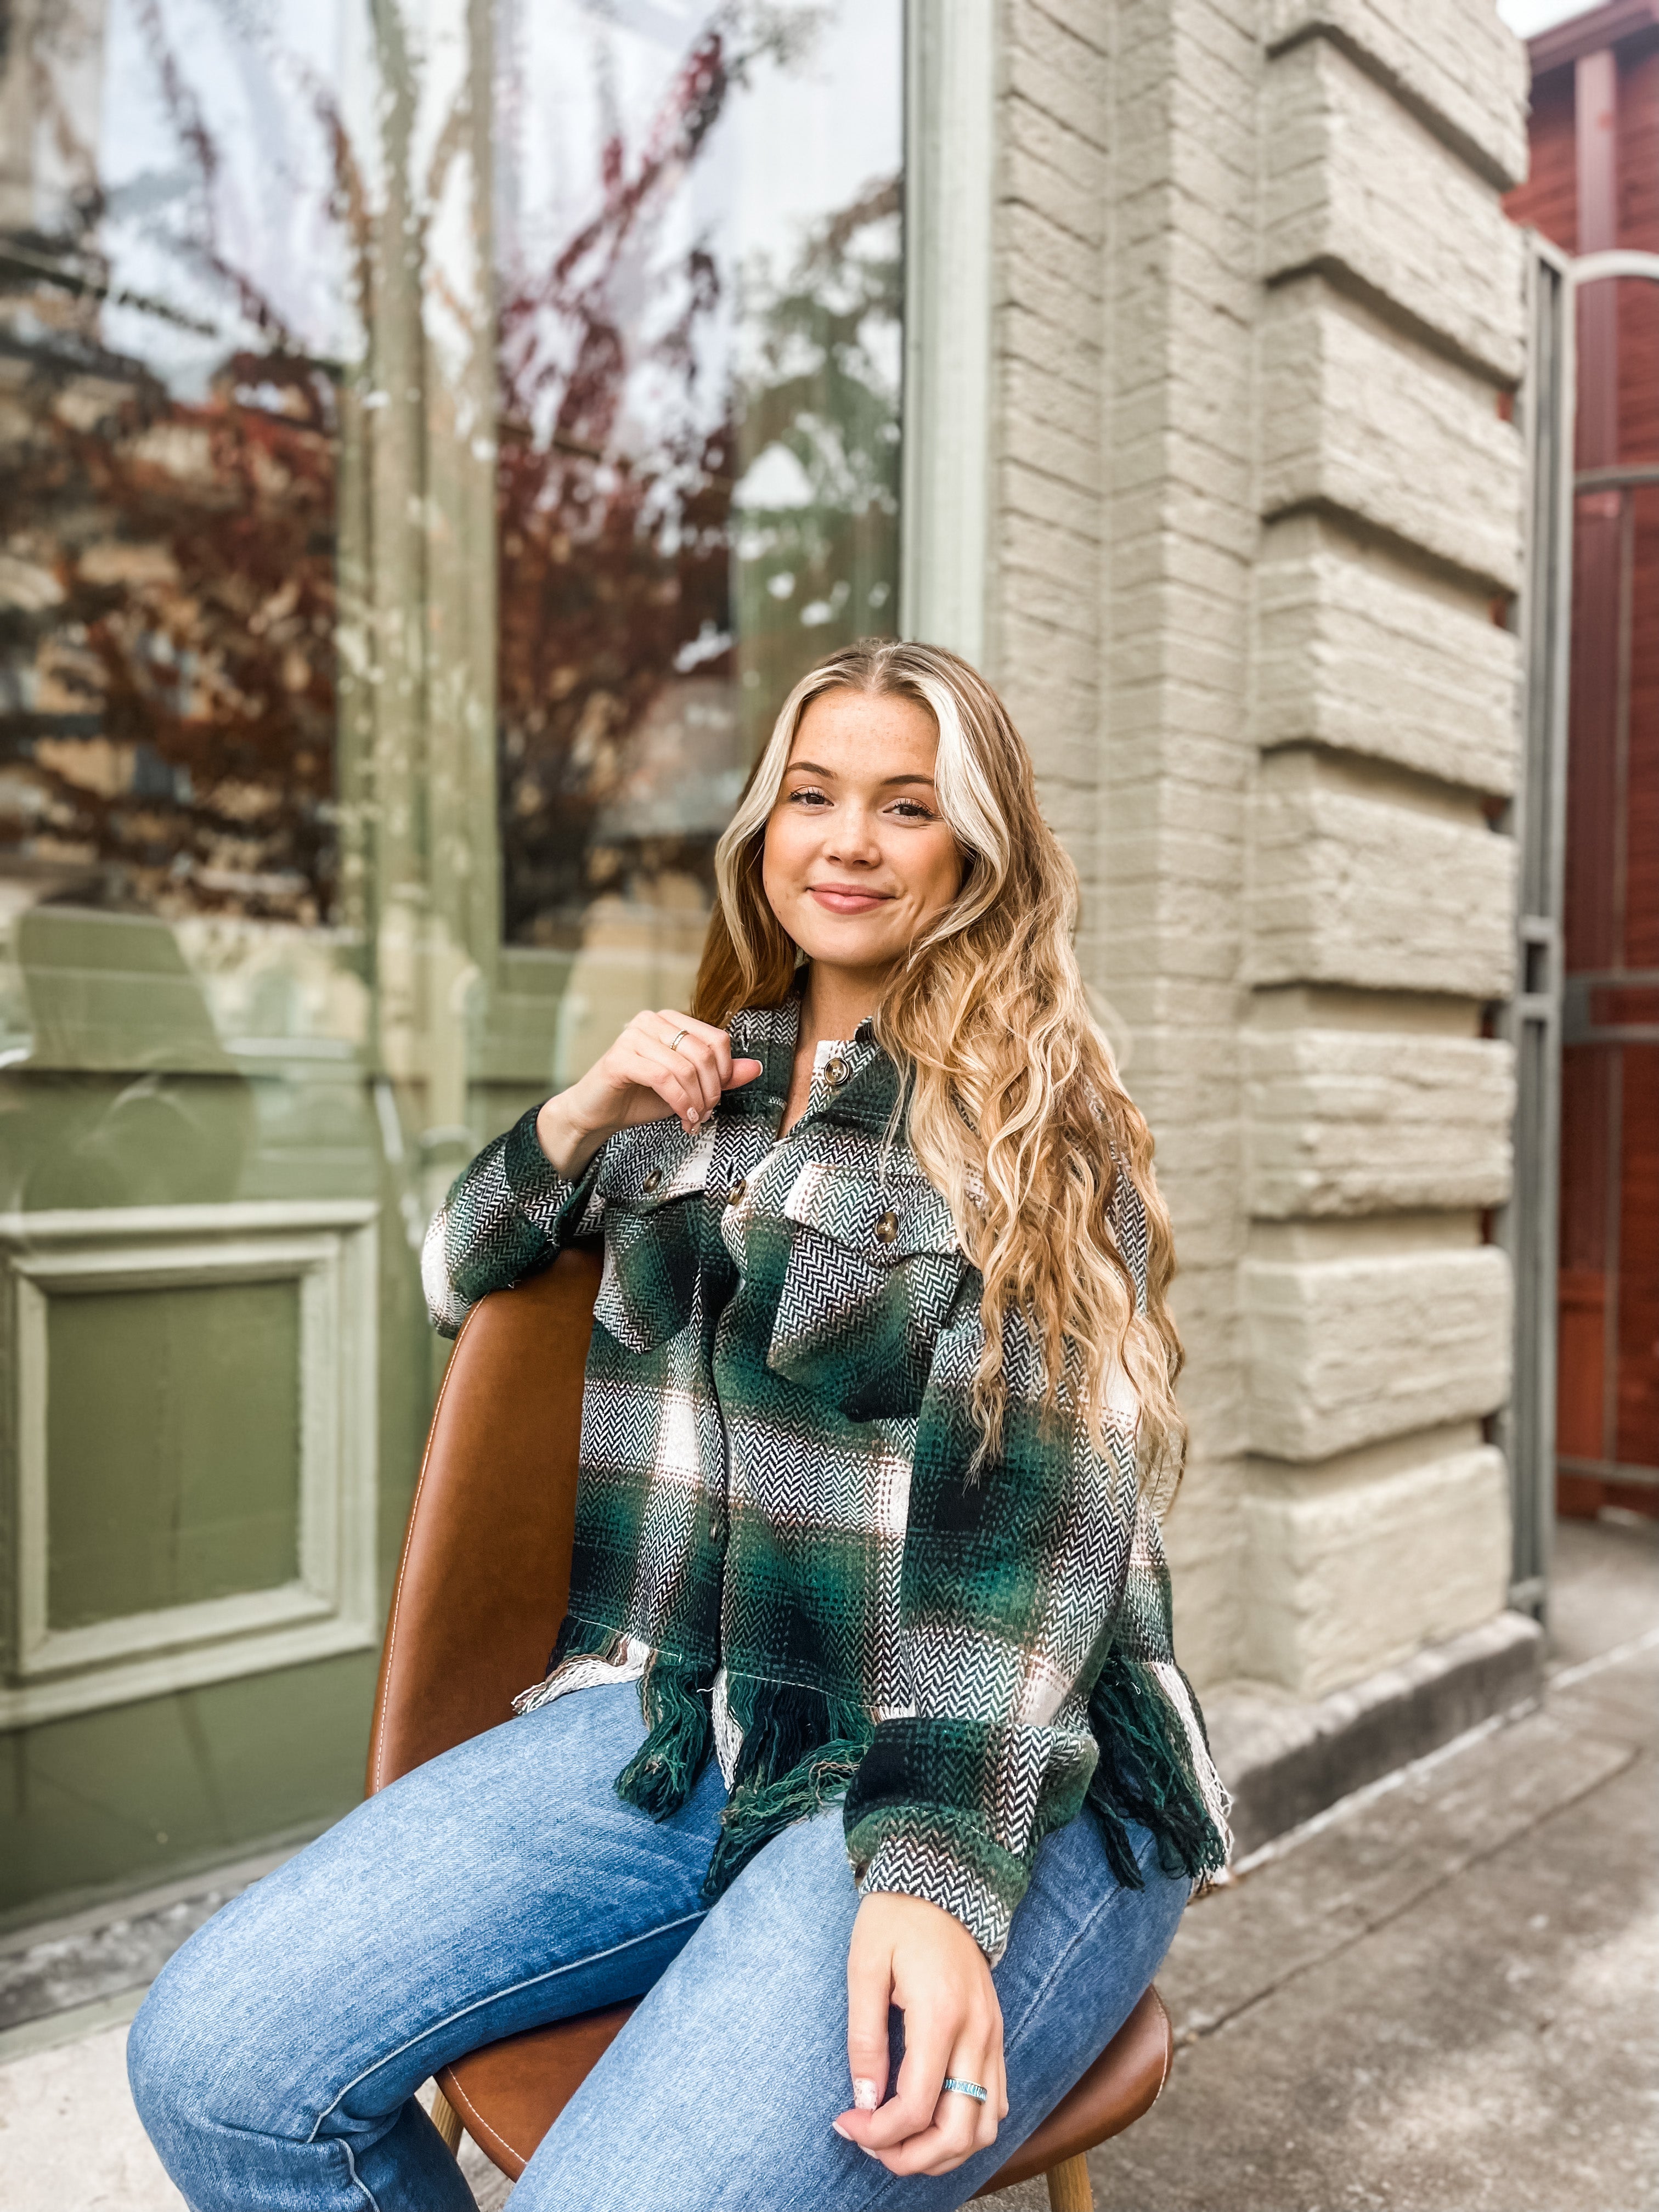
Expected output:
(773, 1529)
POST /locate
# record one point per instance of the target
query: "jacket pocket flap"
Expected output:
(649, 1164)
(884, 1222)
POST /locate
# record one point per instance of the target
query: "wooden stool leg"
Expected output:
(1070, 2189)
(447, 2121)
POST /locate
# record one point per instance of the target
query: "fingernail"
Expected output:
(840, 2131)
(864, 2096)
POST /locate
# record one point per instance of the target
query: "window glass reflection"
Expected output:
(699, 293)
(291, 298)
(173, 316)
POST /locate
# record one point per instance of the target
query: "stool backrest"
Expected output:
(485, 1571)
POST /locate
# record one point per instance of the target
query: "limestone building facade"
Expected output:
(1256, 524)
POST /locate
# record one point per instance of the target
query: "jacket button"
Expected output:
(887, 1228)
(735, 1195)
(654, 1179)
(835, 1071)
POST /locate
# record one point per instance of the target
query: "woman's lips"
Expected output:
(847, 901)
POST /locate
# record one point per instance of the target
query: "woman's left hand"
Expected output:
(908, 1952)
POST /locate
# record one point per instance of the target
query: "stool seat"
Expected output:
(1124, 2082)
(509, 2094)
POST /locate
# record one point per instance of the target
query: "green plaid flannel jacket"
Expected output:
(774, 1535)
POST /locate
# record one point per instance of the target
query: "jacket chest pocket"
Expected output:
(871, 1274)
(652, 1195)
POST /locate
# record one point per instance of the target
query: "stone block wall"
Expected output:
(1256, 511)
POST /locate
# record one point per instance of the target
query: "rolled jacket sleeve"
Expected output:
(507, 1216)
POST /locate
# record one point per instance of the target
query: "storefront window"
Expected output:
(432, 438)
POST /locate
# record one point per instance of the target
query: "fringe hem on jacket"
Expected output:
(798, 1749)
(1155, 1769)
(674, 1704)
(801, 1749)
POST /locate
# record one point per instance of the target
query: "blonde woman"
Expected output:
(862, 1749)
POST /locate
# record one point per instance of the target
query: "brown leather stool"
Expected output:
(481, 1591)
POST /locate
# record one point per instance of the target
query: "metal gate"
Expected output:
(1528, 1226)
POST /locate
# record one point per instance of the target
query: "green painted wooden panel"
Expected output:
(106, 1803)
(103, 1803)
(173, 1447)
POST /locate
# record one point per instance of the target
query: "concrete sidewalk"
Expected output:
(1439, 1996)
(1443, 1995)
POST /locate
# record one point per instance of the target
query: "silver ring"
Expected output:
(967, 2088)
(678, 1034)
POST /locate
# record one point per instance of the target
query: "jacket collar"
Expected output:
(766, 1034)
(769, 1034)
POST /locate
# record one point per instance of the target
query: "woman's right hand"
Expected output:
(641, 1078)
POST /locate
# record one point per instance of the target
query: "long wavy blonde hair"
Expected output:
(1017, 1113)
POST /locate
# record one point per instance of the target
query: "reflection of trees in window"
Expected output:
(608, 563)
(656, 604)
(167, 599)
(817, 544)
(172, 671)
(167, 727)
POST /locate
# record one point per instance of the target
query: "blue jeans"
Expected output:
(275, 2060)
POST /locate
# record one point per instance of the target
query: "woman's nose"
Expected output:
(852, 838)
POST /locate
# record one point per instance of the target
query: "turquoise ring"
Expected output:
(967, 2088)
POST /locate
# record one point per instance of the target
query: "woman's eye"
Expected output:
(906, 809)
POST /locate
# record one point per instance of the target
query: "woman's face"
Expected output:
(858, 860)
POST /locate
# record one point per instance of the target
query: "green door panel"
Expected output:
(172, 1460)
(111, 1801)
